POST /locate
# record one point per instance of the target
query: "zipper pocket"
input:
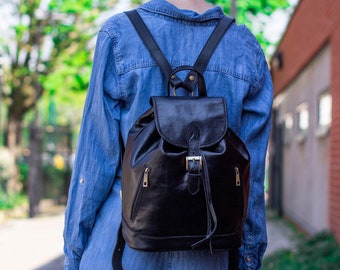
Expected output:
(237, 176)
(239, 192)
(146, 177)
(143, 185)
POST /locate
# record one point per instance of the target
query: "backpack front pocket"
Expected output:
(143, 185)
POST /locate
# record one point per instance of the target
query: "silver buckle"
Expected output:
(193, 158)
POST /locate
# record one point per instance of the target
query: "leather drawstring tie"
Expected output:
(211, 215)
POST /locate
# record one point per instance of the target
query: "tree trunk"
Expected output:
(34, 172)
(24, 97)
(13, 133)
(12, 141)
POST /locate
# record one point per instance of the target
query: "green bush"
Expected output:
(321, 252)
(10, 201)
(23, 173)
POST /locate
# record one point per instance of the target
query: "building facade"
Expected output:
(305, 143)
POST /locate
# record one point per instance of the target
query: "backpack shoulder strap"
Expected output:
(212, 43)
(157, 54)
(209, 48)
(151, 44)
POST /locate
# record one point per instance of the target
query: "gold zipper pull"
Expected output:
(238, 178)
(146, 177)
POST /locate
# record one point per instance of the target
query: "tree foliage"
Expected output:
(47, 50)
(254, 7)
(251, 12)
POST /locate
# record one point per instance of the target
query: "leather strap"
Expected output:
(193, 160)
(212, 43)
(118, 250)
(152, 46)
(233, 259)
(202, 91)
(209, 48)
(211, 214)
(202, 60)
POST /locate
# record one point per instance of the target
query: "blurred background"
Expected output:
(46, 51)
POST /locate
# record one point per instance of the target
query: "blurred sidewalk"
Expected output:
(281, 234)
(33, 244)
(36, 244)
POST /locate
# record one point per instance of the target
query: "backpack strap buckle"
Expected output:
(194, 159)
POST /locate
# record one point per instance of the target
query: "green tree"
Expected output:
(48, 49)
(249, 13)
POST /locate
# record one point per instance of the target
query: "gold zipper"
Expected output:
(146, 177)
(238, 178)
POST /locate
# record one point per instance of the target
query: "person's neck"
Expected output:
(199, 6)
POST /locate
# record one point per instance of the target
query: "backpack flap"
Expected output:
(175, 115)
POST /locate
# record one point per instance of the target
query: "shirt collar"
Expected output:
(167, 9)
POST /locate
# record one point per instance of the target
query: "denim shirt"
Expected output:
(124, 76)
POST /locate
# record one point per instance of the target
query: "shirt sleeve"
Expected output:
(255, 130)
(98, 152)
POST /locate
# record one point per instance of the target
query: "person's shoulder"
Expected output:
(115, 24)
(245, 37)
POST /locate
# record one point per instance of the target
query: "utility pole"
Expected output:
(233, 9)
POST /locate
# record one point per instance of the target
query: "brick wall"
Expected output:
(335, 132)
(314, 24)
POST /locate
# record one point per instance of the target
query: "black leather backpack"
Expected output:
(185, 173)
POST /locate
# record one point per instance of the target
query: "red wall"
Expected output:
(314, 24)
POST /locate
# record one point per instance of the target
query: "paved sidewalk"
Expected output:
(29, 244)
(36, 244)
(280, 235)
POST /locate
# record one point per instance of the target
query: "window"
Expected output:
(325, 110)
(324, 114)
(303, 121)
(288, 128)
(303, 117)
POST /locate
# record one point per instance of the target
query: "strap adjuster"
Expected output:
(193, 159)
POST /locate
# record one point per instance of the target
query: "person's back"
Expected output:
(124, 78)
